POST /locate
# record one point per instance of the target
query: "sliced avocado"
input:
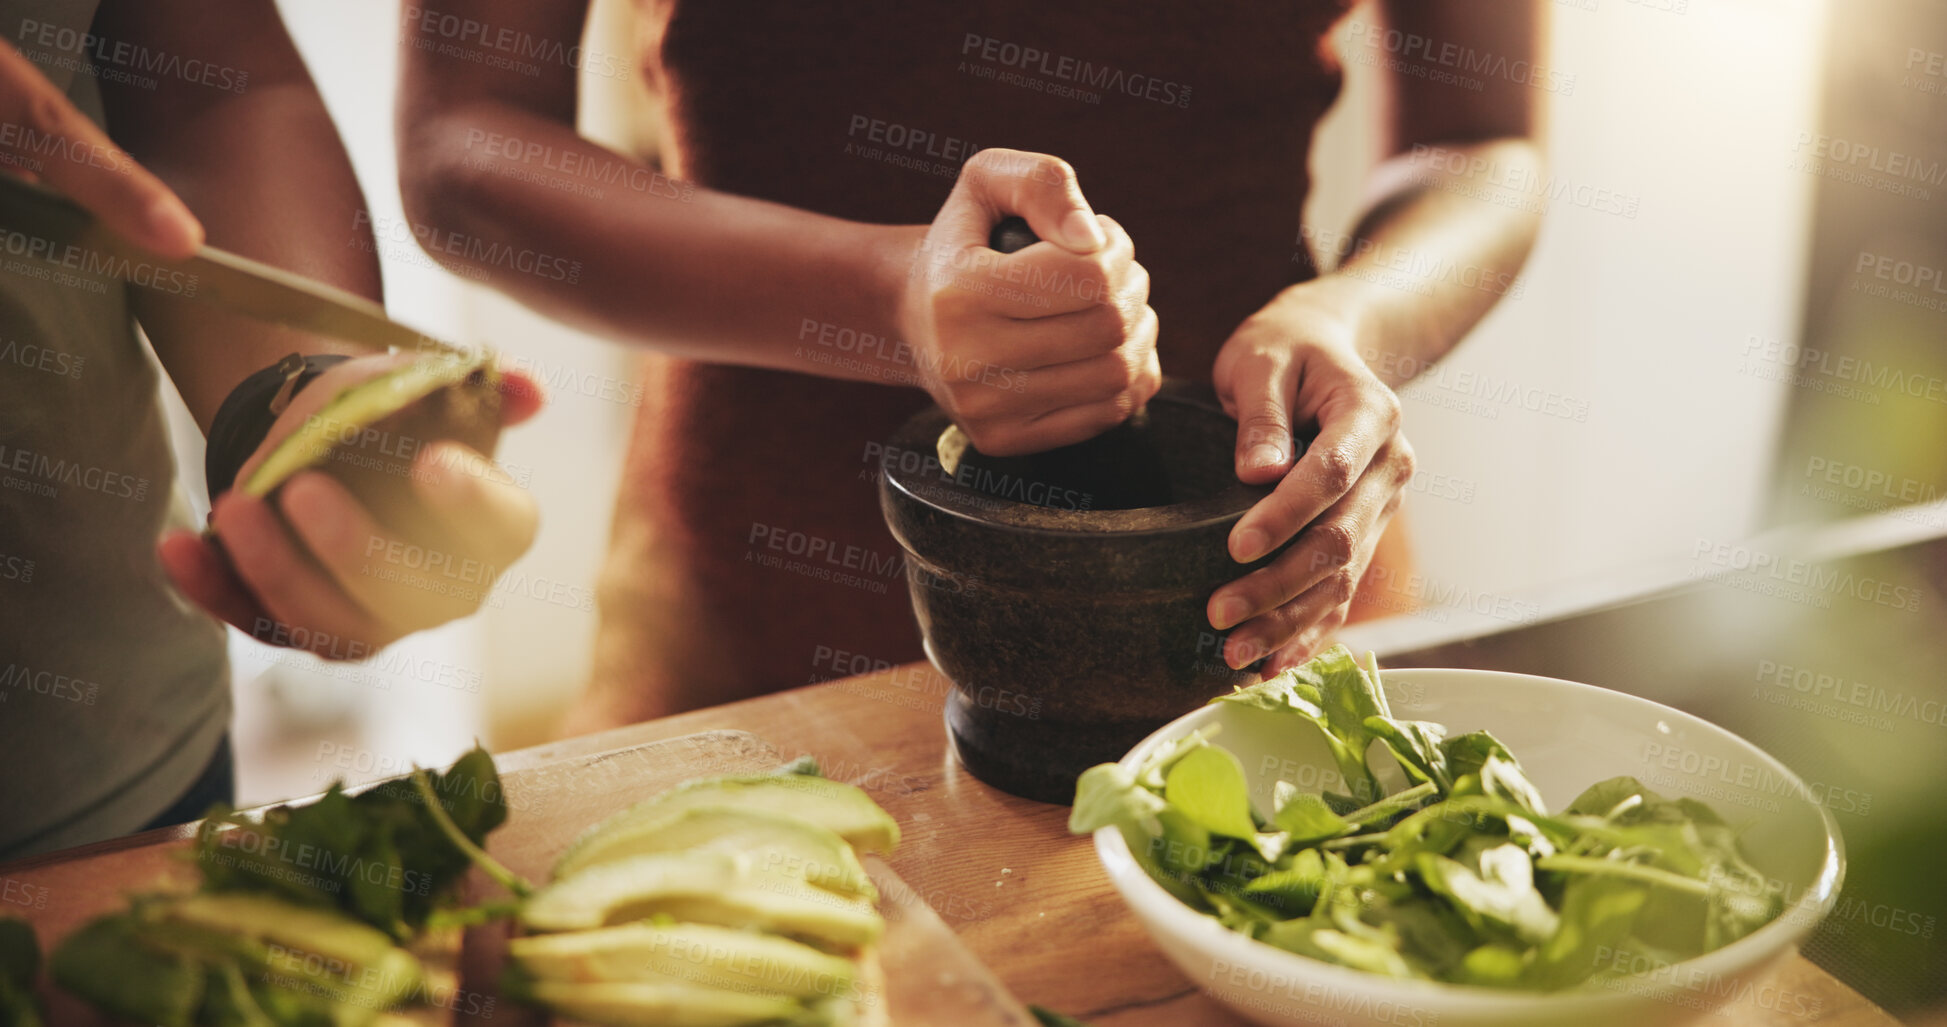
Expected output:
(838, 807)
(278, 940)
(325, 932)
(703, 887)
(664, 1005)
(695, 954)
(782, 841)
(368, 434)
(106, 964)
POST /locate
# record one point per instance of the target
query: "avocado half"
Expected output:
(367, 435)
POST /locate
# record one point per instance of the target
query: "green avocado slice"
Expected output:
(777, 840)
(694, 954)
(664, 1005)
(840, 808)
(341, 421)
(703, 887)
(368, 435)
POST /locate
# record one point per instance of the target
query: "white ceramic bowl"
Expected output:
(1567, 736)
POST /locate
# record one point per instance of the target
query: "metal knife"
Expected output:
(58, 230)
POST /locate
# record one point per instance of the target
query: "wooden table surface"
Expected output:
(1027, 897)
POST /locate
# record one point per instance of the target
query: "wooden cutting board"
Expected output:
(931, 978)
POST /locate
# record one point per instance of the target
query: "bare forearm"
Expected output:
(1441, 244)
(602, 241)
(263, 169)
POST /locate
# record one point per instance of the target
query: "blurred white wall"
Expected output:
(1637, 321)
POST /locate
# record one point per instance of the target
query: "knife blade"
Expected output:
(58, 230)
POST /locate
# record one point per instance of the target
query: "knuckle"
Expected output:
(1386, 402)
(1337, 470)
(983, 165)
(1265, 424)
(1052, 169)
(1405, 459)
(1339, 586)
(951, 305)
(1149, 380)
(1335, 542)
(1097, 283)
(46, 112)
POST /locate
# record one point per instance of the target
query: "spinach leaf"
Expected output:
(1336, 696)
(1501, 898)
(1306, 819)
(20, 963)
(1207, 784)
(1598, 913)
(1416, 744)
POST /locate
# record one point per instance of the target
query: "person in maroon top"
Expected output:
(798, 262)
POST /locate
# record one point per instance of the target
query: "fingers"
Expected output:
(1265, 442)
(87, 167)
(1330, 547)
(1312, 582)
(1039, 188)
(1040, 281)
(1354, 423)
(405, 587)
(1061, 405)
(521, 397)
(292, 587)
(1315, 612)
(1076, 330)
(1306, 644)
(206, 578)
(476, 502)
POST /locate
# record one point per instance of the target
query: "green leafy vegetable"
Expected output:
(1461, 876)
(380, 855)
(1332, 692)
(1208, 786)
(20, 961)
(300, 913)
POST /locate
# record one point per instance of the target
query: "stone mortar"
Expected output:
(1071, 631)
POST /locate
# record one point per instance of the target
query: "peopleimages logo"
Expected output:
(1060, 68)
(101, 52)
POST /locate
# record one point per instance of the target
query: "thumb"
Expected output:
(1264, 441)
(1039, 188)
